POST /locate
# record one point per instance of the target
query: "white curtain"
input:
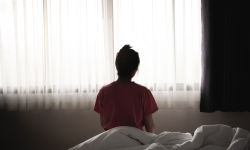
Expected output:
(59, 53)
(167, 35)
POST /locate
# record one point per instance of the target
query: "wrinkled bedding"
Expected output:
(205, 137)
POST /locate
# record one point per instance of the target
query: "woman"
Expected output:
(123, 102)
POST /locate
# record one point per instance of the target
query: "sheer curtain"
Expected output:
(167, 35)
(59, 53)
(53, 52)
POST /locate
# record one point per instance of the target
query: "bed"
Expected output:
(205, 137)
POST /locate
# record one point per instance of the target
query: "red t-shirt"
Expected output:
(124, 104)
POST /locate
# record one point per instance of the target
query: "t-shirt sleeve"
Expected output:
(149, 105)
(98, 102)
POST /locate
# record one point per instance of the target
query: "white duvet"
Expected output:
(206, 137)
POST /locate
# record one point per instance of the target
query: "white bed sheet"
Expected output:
(205, 137)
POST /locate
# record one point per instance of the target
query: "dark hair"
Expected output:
(127, 61)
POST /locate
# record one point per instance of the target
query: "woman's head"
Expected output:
(127, 62)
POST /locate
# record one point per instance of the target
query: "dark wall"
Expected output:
(58, 129)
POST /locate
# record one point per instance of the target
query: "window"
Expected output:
(64, 49)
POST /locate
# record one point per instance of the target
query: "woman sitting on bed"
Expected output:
(123, 102)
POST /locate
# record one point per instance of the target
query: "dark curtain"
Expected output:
(226, 59)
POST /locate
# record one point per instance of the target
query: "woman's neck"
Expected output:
(124, 79)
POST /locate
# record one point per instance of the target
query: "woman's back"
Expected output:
(124, 103)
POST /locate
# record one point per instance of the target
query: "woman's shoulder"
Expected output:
(107, 86)
(141, 87)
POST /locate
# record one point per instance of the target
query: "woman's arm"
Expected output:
(149, 123)
(102, 120)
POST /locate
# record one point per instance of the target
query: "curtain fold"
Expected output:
(59, 53)
(226, 63)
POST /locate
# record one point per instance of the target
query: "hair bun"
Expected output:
(127, 46)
